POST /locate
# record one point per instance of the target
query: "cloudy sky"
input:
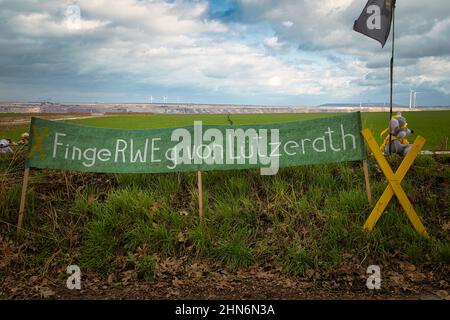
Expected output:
(231, 51)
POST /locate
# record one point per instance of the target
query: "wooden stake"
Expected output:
(200, 195)
(23, 198)
(366, 178)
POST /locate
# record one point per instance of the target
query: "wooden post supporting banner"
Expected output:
(23, 198)
(366, 178)
(394, 181)
(200, 195)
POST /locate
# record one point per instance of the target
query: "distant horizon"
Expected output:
(331, 104)
(278, 53)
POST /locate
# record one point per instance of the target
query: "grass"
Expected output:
(303, 218)
(297, 260)
(12, 132)
(145, 267)
(234, 251)
(433, 125)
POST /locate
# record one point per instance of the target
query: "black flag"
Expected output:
(375, 20)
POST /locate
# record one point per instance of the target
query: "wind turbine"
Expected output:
(415, 93)
(151, 99)
(411, 91)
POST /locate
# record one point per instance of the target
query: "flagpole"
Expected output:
(392, 70)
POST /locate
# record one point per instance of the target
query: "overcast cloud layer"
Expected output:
(243, 51)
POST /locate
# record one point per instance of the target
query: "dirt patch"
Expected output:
(216, 286)
(180, 278)
(21, 119)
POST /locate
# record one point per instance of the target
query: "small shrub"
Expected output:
(234, 252)
(146, 267)
(296, 260)
(201, 240)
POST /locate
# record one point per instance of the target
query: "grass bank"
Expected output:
(305, 218)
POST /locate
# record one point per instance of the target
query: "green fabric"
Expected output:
(59, 145)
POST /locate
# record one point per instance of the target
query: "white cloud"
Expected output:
(172, 44)
(272, 43)
(43, 24)
(325, 29)
(287, 23)
(157, 43)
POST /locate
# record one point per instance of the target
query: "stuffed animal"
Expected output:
(5, 146)
(398, 128)
(24, 137)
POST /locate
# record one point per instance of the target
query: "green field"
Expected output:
(433, 125)
(304, 221)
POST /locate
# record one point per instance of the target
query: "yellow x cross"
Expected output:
(38, 139)
(394, 186)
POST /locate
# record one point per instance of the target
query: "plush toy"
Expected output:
(24, 137)
(398, 128)
(5, 146)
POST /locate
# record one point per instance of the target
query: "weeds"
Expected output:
(145, 266)
(297, 260)
(303, 218)
(234, 250)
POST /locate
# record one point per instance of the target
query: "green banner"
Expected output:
(59, 145)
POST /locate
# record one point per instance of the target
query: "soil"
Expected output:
(180, 279)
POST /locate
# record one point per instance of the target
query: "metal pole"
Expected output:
(392, 69)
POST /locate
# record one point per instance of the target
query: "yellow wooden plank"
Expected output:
(388, 192)
(379, 208)
(371, 142)
(394, 186)
(410, 157)
(384, 165)
(408, 207)
(399, 175)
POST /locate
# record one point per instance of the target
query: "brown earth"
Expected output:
(183, 278)
(178, 278)
(21, 119)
